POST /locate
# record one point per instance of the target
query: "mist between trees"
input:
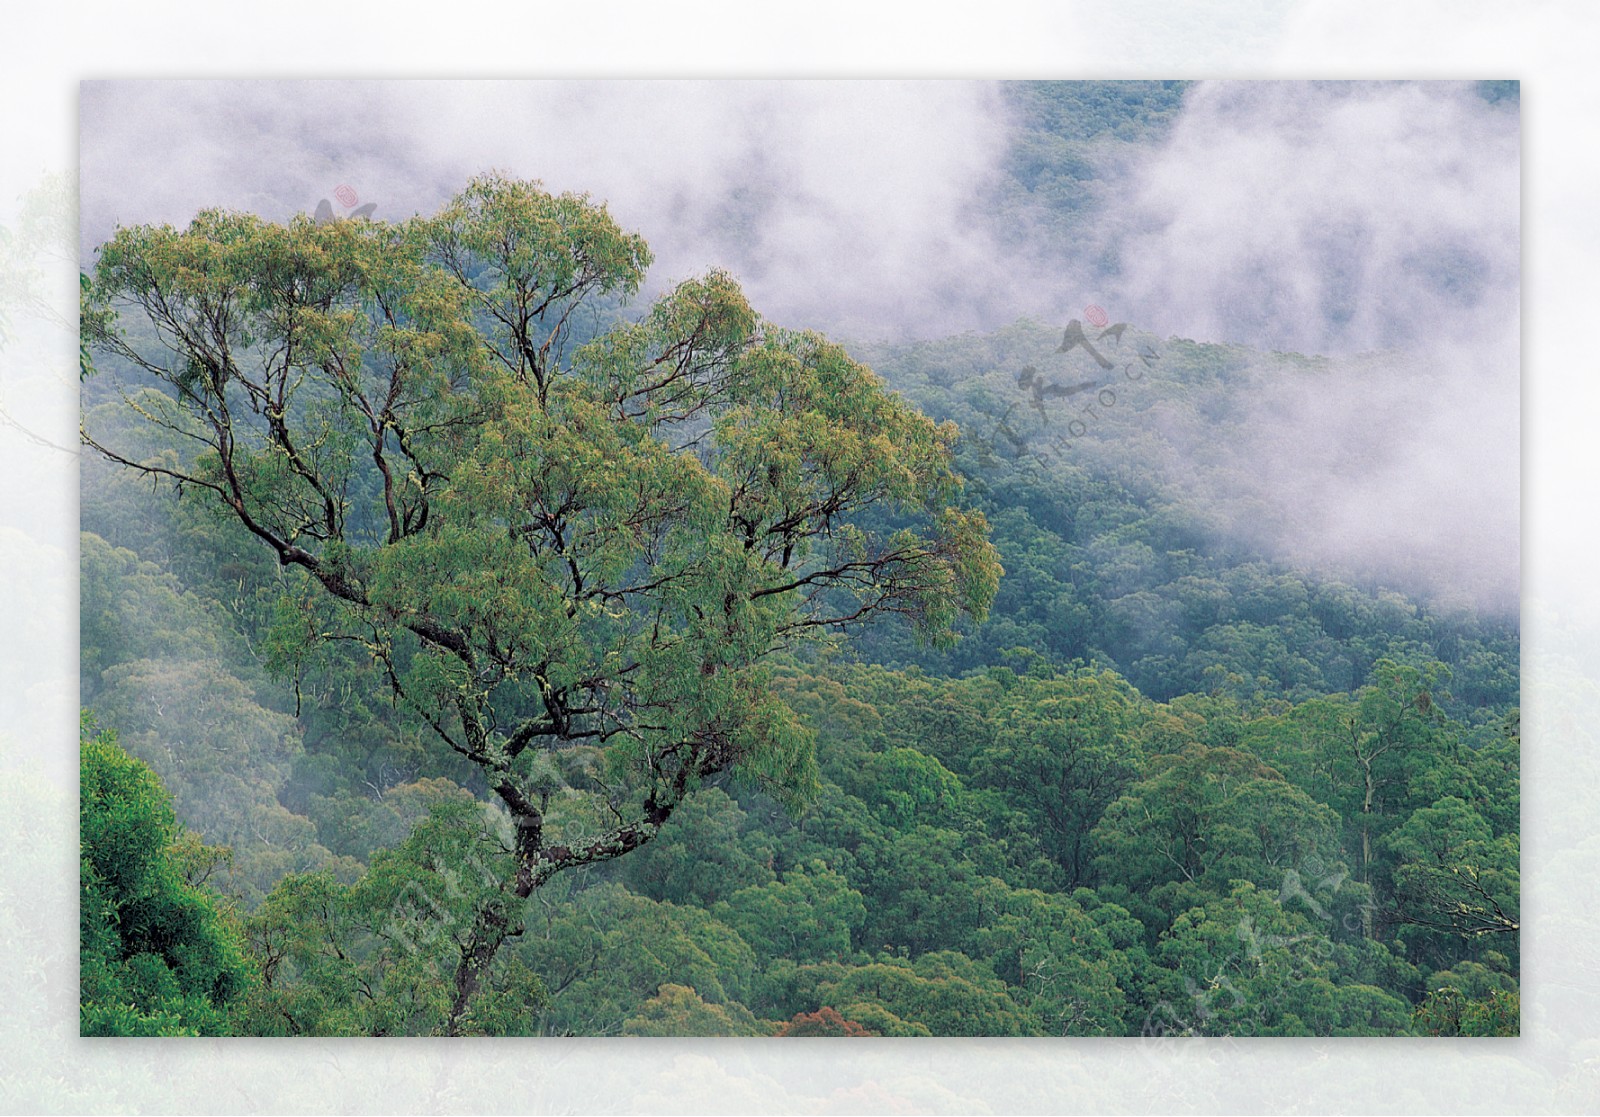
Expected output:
(554, 665)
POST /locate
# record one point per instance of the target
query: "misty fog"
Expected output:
(1374, 222)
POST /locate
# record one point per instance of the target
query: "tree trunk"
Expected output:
(489, 931)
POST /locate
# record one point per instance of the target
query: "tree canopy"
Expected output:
(159, 955)
(487, 570)
(547, 537)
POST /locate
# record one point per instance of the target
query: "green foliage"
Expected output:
(1066, 132)
(810, 915)
(223, 756)
(912, 788)
(1064, 750)
(604, 951)
(1114, 560)
(159, 956)
(520, 510)
(1203, 818)
(945, 992)
(1454, 877)
(701, 855)
(129, 610)
(1247, 965)
(678, 1011)
(1447, 1011)
(378, 957)
(544, 545)
(483, 637)
(361, 826)
(1072, 968)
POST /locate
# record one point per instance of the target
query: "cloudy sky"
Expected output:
(1322, 218)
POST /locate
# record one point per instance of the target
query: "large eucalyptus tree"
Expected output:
(569, 560)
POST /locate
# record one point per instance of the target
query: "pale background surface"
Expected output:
(1555, 1067)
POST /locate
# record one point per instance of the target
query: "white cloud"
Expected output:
(1337, 218)
(839, 204)
(1323, 218)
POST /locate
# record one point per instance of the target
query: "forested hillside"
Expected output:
(1174, 779)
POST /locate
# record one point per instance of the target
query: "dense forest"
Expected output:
(1154, 778)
